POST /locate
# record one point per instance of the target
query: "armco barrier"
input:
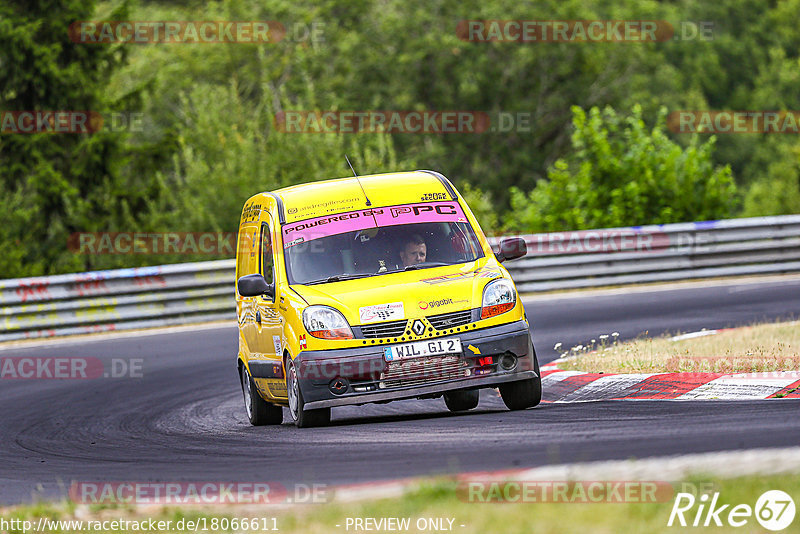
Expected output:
(658, 253)
(118, 299)
(193, 292)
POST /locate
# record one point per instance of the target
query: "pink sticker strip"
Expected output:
(328, 225)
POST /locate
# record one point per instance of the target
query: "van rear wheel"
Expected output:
(259, 411)
(302, 418)
(461, 401)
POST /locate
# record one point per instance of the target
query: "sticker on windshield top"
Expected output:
(429, 212)
(381, 312)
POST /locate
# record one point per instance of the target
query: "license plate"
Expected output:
(420, 349)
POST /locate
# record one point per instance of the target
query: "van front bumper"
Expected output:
(361, 375)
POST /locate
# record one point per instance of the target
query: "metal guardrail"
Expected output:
(119, 299)
(658, 253)
(166, 295)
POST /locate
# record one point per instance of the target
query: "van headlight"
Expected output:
(499, 297)
(324, 322)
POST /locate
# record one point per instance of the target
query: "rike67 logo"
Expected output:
(774, 510)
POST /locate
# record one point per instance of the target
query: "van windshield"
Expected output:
(378, 241)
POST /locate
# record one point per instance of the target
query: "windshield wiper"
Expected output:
(425, 265)
(336, 278)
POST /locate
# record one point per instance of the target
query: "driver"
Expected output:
(413, 251)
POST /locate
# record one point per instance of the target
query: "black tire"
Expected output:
(461, 401)
(259, 411)
(302, 418)
(523, 393)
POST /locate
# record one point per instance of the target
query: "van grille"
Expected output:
(390, 329)
(422, 370)
(444, 321)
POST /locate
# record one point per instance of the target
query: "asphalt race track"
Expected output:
(183, 420)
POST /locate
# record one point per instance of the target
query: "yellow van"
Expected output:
(373, 289)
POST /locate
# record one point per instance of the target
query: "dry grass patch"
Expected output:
(758, 348)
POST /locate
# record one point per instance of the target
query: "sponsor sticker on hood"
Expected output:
(481, 273)
(381, 312)
(425, 304)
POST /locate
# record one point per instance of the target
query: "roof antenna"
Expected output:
(358, 180)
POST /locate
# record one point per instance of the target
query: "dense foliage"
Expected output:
(597, 152)
(620, 174)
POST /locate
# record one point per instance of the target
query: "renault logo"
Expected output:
(418, 327)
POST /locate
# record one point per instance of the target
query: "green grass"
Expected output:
(439, 499)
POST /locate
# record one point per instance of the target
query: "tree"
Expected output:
(620, 174)
(777, 191)
(54, 184)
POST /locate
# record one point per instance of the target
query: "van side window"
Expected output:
(246, 258)
(267, 264)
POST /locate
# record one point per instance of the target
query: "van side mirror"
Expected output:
(253, 285)
(511, 249)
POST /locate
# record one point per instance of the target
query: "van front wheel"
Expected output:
(302, 418)
(523, 393)
(259, 411)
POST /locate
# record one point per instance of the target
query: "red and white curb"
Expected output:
(576, 386)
